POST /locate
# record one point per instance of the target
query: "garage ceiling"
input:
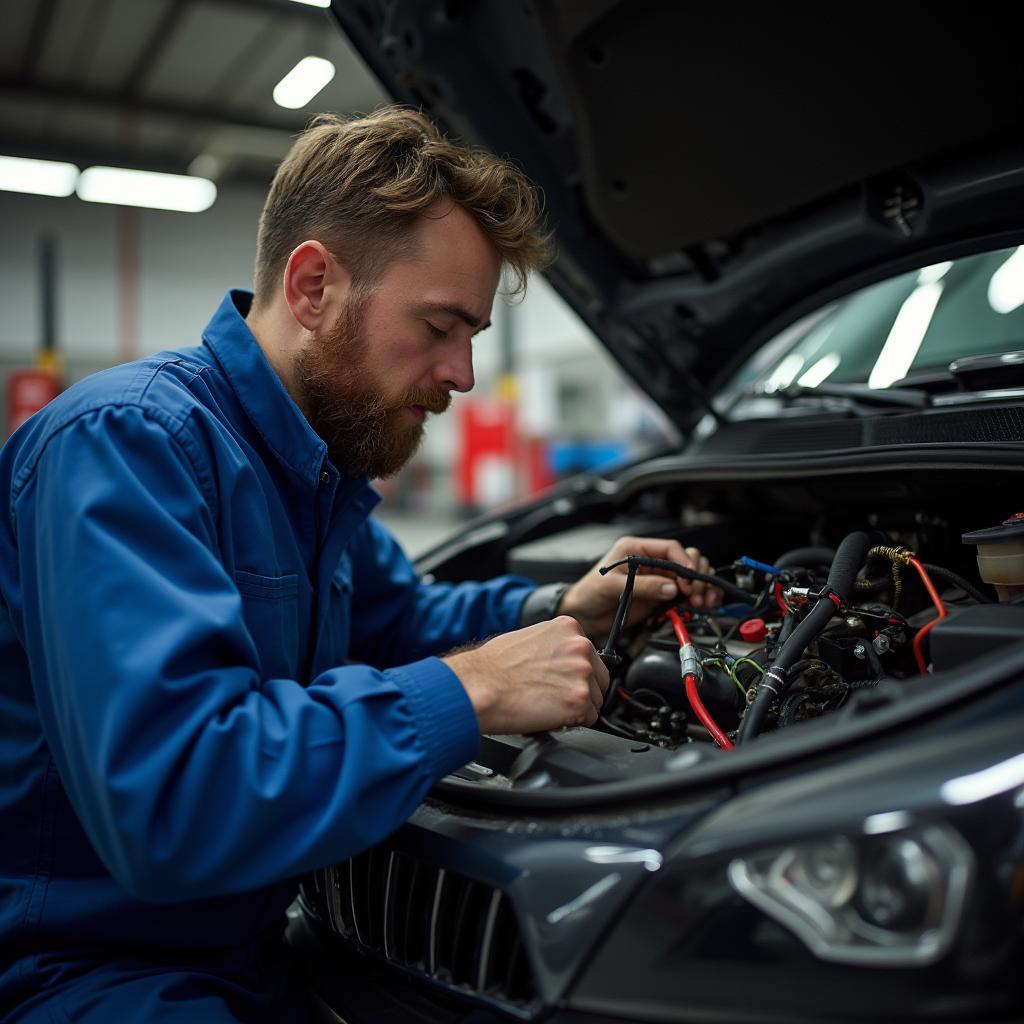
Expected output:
(166, 85)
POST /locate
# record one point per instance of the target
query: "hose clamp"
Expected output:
(689, 661)
(776, 673)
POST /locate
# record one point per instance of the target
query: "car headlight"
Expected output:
(893, 899)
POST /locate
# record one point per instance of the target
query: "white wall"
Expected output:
(117, 299)
(185, 264)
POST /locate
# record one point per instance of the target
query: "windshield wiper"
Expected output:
(843, 399)
(861, 394)
(985, 372)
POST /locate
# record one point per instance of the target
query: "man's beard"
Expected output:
(364, 433)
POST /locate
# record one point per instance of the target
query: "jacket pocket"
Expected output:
(270, 610)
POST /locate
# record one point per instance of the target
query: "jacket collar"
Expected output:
(271, 410)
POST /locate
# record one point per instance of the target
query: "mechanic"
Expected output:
(218, 671)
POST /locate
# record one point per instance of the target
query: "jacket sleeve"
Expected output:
(192, 775)
(397, 618)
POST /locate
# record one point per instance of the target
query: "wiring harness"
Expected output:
(800, 641)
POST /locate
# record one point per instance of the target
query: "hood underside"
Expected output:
(712, 173)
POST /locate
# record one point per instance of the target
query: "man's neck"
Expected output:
(274, 339)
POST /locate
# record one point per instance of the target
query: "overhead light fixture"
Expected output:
(314, 3)
(37, 177)
(150, 189)
(303, 82)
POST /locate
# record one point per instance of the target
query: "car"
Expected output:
(801, 231)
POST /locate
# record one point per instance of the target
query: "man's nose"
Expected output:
(455, 371)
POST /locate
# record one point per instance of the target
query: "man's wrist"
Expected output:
(478, 685)
(543, 604)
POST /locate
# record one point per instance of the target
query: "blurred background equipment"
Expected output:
(137, 140)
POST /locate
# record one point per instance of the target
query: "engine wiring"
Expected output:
(940, 609)
(803, 633)
(745, 661)
(691, 669)
(728, 669)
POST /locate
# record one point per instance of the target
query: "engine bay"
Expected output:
(828, 594)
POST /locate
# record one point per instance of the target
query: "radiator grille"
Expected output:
(457, 931)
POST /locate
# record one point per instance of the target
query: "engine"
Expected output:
(802, 630)
(798, 636)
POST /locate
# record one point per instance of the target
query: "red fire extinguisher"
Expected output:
(27, 392)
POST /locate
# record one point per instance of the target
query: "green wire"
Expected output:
(734, 678)
(741, 661)
(729, 671)
(749, 661)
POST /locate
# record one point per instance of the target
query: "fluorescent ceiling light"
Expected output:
(303, 82)
(314, 3)
(37, 177)
(1006, 289)
(146, 188)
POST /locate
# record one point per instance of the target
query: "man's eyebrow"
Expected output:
(455, 310)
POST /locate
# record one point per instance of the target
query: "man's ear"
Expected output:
(316, 285)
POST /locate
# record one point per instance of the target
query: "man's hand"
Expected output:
(541, 677)
(593, 600)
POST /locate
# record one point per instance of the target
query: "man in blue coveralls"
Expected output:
(218, 672)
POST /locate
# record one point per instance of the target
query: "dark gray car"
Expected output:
(800, 231)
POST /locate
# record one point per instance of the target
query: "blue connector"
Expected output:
(760, 566)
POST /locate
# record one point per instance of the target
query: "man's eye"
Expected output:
(435, 331)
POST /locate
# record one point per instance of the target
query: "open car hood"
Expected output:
(714, 173)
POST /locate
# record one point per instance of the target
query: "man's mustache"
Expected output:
(435, 402)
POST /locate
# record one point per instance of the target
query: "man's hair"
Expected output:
(358, 185)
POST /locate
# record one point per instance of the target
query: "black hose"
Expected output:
(849, 558)
(686, 573)
(618, 730)
(788, 625)
(805, 558)
(958, 581)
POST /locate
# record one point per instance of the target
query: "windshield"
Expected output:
(918, 321)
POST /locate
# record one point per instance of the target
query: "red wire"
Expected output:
(691, 687)
(779, 598)
(939, 607)
(704, 715)
(682, 634)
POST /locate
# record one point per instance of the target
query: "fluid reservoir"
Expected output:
(1001, 555)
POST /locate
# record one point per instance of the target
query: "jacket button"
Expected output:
(325, 477)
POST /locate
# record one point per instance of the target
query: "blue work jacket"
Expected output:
(217, 671)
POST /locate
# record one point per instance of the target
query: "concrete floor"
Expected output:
(418, 532)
